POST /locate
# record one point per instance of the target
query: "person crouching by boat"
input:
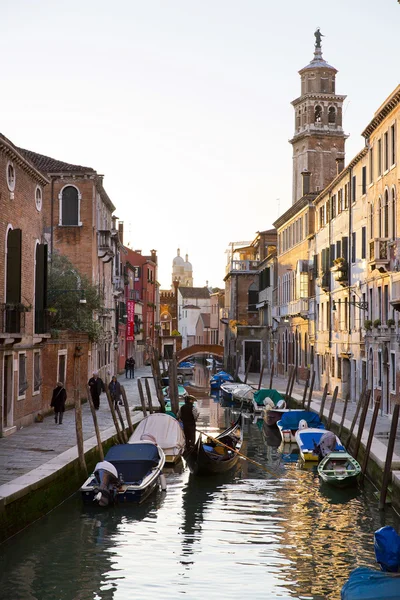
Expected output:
(327, 444)
(58, 402)
(115, 390)
(188, 415)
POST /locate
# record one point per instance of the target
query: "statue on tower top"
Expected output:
(318, 35)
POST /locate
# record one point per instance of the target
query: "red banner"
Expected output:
(130, 312)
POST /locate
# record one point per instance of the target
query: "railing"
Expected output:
(42, 321)
(12, 318)
(242, 265)
(324, 280)
(297, 307)
(379, 250)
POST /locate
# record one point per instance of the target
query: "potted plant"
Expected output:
(377, 323)
(390, 323)
(368, 324)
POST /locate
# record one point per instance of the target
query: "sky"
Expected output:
(184, 106)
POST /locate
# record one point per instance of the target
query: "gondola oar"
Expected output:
(239, 453)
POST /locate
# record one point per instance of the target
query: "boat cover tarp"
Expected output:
(308, 438)
(368, 584)
(387, 549)
(164, 429)
(291, 419)
(185, 365)
(133, 461)
(260, 396)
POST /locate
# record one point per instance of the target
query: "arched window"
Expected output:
(318, 114)
(332, 115)
(394, 216)
(386, 215)
(380, 220)
(69, 206)
(371, 220)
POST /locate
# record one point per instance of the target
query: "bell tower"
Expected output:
(319, 140)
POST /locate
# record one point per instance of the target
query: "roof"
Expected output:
(194, 292)
(46, 164)
(205, 317)
(389, 104)
(191, 306)
(301, 203)
(15, 154)
(318, 62)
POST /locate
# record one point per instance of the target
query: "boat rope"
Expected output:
(239, 453)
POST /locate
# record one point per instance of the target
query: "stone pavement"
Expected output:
(33, 446)
(382, 428)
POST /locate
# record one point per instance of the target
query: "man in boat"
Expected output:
(188, 415)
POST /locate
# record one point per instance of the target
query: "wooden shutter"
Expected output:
(345, 248)
(70, 206)
(13, 289)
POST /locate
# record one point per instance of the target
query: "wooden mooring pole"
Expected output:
(311, 391)
(292, 382)
(291, 369)
(354, 421)
(141, 395)
(323, 400)
(114, 417)
(370, 437)
(78, 412)
(248, 367)
(332, 407)
(127, 411)
(95, 423)
(361, 424)
(146, 381)
(261, 375)
(346, 401)
(271, 379)
(305, 388)
(389, 456)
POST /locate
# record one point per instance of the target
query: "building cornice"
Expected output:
(10, 150)
(300, 205)
(383, 111)
(341, 175)
(319, 96)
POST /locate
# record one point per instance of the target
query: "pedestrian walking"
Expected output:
(96, 386)
(127, 368)
(115, 390)
(188, 415)
(132, 363)
(58, 402)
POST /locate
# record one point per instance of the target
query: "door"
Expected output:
(252, 349)
(7, 391)
(168, 351)
(346, 377)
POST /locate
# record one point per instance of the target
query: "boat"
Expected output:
(273, 414)
(182, 393)
(128, 473)
(185, 368)
(163, 430)
(289, 423)
(267, 397)
(219, 378)
(339, 469)
(210, 457)
(308, 438)
(226, 390)
(243, 394)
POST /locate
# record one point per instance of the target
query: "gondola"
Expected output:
(208, 457)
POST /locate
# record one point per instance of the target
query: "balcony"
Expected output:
(298, 308)
(395, 301)
(105, 249)
(379, 256)
(242, 266)
(340, 271)
(42, 322)
(12, 321)
(324, 281)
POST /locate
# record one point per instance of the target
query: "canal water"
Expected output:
(247, 534)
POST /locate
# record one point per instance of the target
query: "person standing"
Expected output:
(115, 390)
(58, 402)
(132, 367)
(127, 367)
(96, 386)
(188, 415)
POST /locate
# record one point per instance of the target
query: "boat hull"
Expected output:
(339, 469)
(305, 439)
(129, 495)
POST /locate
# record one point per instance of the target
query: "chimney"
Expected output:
(339, 164)
(138, 251)
(306, 181)
(121, 231)
(154, 256)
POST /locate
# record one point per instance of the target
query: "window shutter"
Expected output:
(268, 277)
(70, 206)
(345, 248)
(332, 254)
(338, 249)
(353, 247)
(13, 290)
(363, 242)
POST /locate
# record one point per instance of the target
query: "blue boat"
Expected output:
(129, 473)
(289, 423)
(218, 379)
(365, 583)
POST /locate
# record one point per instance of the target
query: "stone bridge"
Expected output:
(214, 349)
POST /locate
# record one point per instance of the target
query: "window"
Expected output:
(318, 114)
(385, 151)
(379, 369)
(393, 144)
(346, 196)
(353, 247)
(10, 176)
(363, 242)
(354, 188)
(70, 206)
(386, 215)
(380, 303)
(393, 213)
(322, 216)
(339, 368)
(380, 218)
(379, 158)
(345, 248)
(38, 198)
(371, 220)
(62, 366)
(385, 303)
(22, 382)
(333, 366)
(340, 201)
(37, 380)
(333, 206)
(252, 298)
(338, 249)
(332, 115)
(371, 164)
(393, 372)
(364, 180)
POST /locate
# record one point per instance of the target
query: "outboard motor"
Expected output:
(107, 476)
(281, 404)
(303, 424)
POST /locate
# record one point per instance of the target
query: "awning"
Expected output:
(261, 304)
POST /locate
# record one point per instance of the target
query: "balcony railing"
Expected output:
(12, 318)
(298, 307)
(105, 249)
(324, 280)
(242, 265)
(379, 253)
(42, 321)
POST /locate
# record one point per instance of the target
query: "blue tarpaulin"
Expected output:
(369, 584)
(291, 419)
(308, 440)
(133, 461)
(387, 549)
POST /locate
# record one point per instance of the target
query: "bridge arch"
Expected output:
(214, 349)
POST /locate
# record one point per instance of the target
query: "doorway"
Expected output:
(7, 415)
(168, 351)
(252, 349)
(346, 377)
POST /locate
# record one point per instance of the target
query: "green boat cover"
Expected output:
(260, 396)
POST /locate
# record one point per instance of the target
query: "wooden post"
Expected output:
(311, 391)
(248, 367)
(114, 416)
(155, 367)
(346, 401)
(127, 411)
(288, 383)
(173, 386)
(370, 437)
(261, 375)
(332, 407)
(305, 388)
(359, 403)
(96, 425)
(142, 400)
(78, 414)
(123, 432)
(361, 423)
(146, 381)
(292, 383)
(389, 456)
(239, 358)
(323, 400)
(271, 379)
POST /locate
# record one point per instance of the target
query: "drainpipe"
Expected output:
(51, 218)
(350, 244)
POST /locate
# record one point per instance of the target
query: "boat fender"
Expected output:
(281, 404)
(303, 424)
(163, 482)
